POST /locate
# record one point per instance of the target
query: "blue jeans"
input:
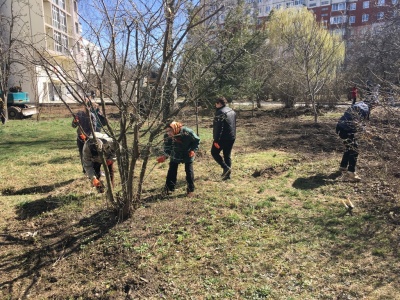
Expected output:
(350, 155)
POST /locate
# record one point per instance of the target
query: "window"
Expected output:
(61, 3)
(324, 15)
(381, 3)
(312, 4)
(76, 27)
(69, 90)
(338, 6)
(380, 15)
(54, 91)
(63, 21)
(340, 31)
(56, 16)
(366, 4)
(324, 2)
(353, 6)
(57, 41)
(268, 9)
(64, 43)
(352, 19)
(394, 2)
(60, 42)
(324, 8)
(338, 20)
(365, 18)
(59, 18)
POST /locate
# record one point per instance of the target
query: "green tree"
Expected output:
(308, 54)
(226, 59)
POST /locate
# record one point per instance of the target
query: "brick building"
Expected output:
(347, 16)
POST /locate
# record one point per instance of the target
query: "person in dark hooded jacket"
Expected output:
(352, 122)
(180, 145)
(83, 121)
(224, 134)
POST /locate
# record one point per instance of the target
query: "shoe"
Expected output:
(226, 174)
(102, 173)
(165, 192)
(342, 169)
(190, 195)
(352, 176)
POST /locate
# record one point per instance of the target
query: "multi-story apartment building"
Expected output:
(352, 16)
(52, 28)
(344, 15)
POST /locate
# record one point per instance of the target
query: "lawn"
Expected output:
(277, 230)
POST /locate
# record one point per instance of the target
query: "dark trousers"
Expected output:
(172, 175)
(226, 147)
(350, 155)
(97, 167)
(80, 144)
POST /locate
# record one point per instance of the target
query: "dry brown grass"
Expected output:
(281, 233)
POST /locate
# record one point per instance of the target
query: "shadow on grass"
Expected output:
(315, 181)
(35, 208)
(56, 245)
(161, 197)
(157, 194)
(36, 189)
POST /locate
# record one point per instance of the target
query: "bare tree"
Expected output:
(373, 56)
(11, 63)
(131, 42)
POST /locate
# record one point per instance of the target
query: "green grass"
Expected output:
(281, 235)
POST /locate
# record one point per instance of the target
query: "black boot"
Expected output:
(226, 174)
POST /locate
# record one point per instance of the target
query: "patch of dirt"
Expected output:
(48, 257)
(275, 170)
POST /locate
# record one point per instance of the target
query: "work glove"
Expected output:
(191, 153)
(76, 120)
(161, 159)
(109, 162)
(98, 185)
(216, 145)
(82, 137)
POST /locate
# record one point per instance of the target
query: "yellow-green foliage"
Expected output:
(298, 35)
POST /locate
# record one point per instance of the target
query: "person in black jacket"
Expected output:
(224, 134)
(349, 124)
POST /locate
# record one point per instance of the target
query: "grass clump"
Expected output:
(277, 230)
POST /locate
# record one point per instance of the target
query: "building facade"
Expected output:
(348, 16)
(52, 28)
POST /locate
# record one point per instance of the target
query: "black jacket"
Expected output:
(224, 125)
(352, 120)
